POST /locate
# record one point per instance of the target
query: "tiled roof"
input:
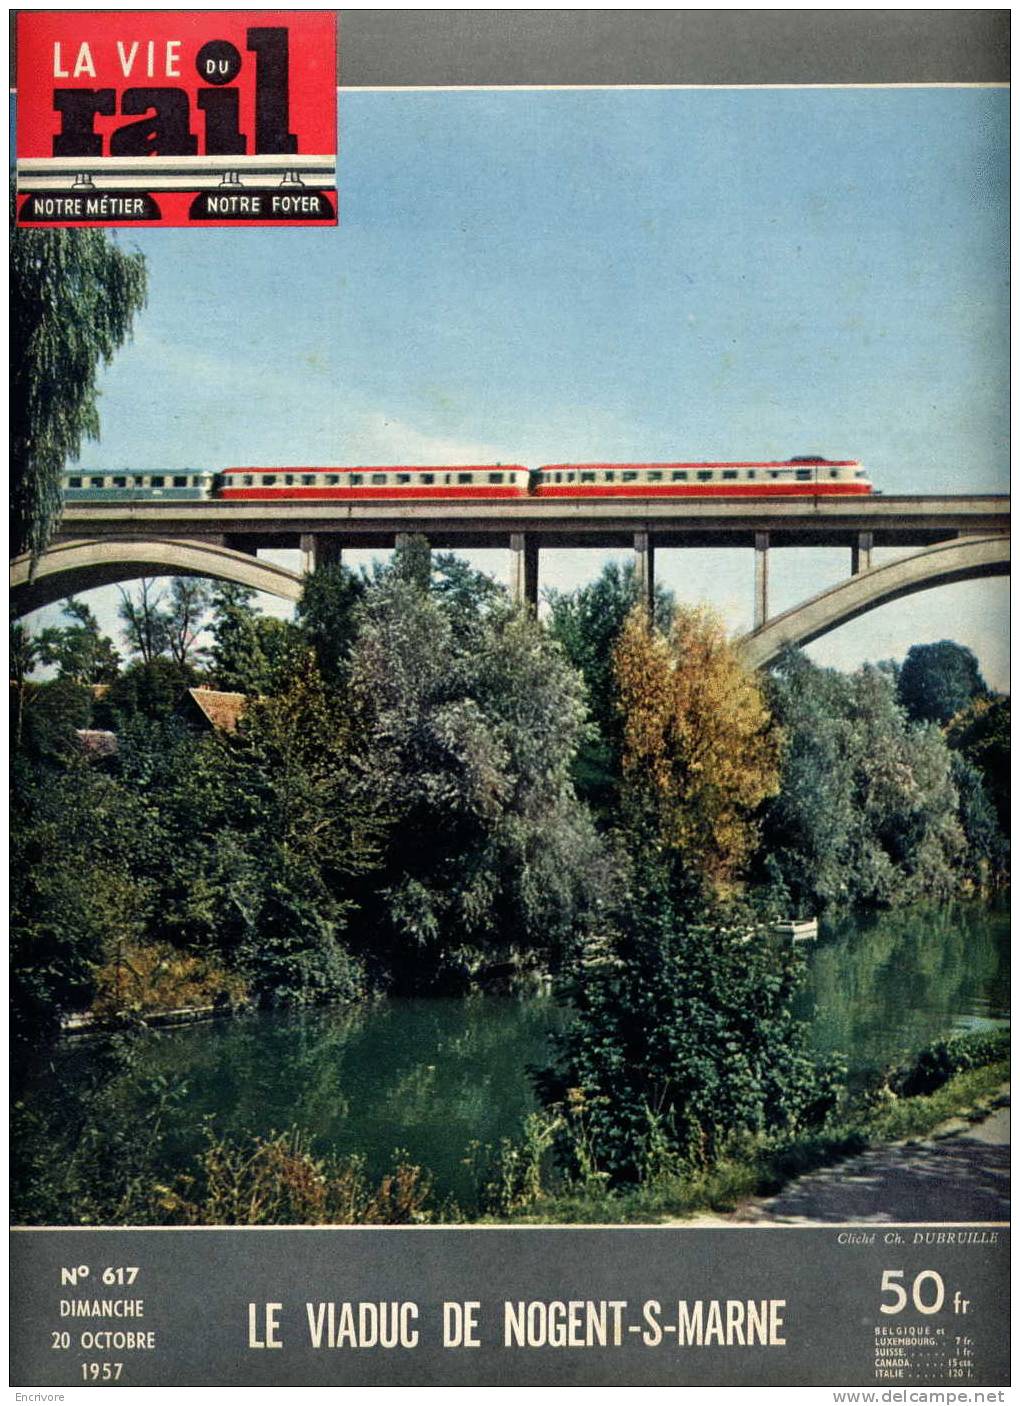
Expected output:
(223, 710)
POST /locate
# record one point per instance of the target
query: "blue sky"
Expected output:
(615, 274)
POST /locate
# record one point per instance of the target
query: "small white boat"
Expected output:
(797, 929)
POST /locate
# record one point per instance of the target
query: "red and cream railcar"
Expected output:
(392, 482)
(787, 478)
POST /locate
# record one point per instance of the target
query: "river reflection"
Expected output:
(431, 1075)
(881, 987)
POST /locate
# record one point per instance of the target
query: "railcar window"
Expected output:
(679, 475)
(403, 478)
(655, 476)
(74, 483)
(428, 478)
(558, 478)
(156, 481)
(495, 478)
(465, 478)
(288, 478)
(861, 473)
(269, 479)
(332, 480)
(248, 480)
(357, 478)
(180, 480)
(773, 473)
(119, 481)
(629, 476)
(729, 473)
(447, 478)
(587, 478)
(610, 476)
(705, 474)
(95, 483)
(378, 478)
(307, 478)
(804, 475)
(751, 473)
(834, 473)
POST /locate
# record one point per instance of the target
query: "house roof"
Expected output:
(222, 710)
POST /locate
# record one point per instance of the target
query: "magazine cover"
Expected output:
(509, 700)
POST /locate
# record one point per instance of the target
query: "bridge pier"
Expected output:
(860, 553)
(524, 569)
(644, 570)
(319, 549)
(761, 578)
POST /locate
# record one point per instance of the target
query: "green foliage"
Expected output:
(251, 653)
(326, 617)
(152, 690)
(587, 623)
(277, 1180)
(77, 844)
(868, 813)
(94, 1159)
(987, 850)
(270, 827)
(683, 1037)
(472, 734)
(509, 1178)
(943, 1059)
(78, 650)
(937, 680)
(45, 718)
(74, 296)
(981, 734)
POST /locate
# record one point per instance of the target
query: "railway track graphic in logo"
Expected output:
(176, 117)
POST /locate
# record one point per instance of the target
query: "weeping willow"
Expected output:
(74, 295)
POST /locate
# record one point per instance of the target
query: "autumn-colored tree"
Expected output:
(699, 746)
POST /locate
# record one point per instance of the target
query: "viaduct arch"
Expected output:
(71, 566)
(963, 559)
(80, 564)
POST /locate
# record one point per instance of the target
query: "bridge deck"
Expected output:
(901, 520)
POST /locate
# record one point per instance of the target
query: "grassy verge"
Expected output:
(762, 1168)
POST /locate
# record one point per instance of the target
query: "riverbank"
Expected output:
(754, 1173)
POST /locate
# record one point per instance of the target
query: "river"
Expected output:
(431, 1075)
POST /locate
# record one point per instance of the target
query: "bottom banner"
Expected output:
(884, 1306)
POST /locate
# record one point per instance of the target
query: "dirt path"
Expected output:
(959, 1173)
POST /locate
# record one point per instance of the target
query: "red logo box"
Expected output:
(176, 117)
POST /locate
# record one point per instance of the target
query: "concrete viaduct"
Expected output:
(948, 538)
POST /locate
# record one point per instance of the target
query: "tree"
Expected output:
(868, 812)
(78, 650)
(249, 651)
(326, 618)
(74, 296)
(683, 1035)
(936, 681)
(473, 730)
(77, 841)
(183, 619)
(699, 748)
(587, 623)
(145, 624)
(24, 653)
(268, 829)
(153, 690)
(981, 734)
